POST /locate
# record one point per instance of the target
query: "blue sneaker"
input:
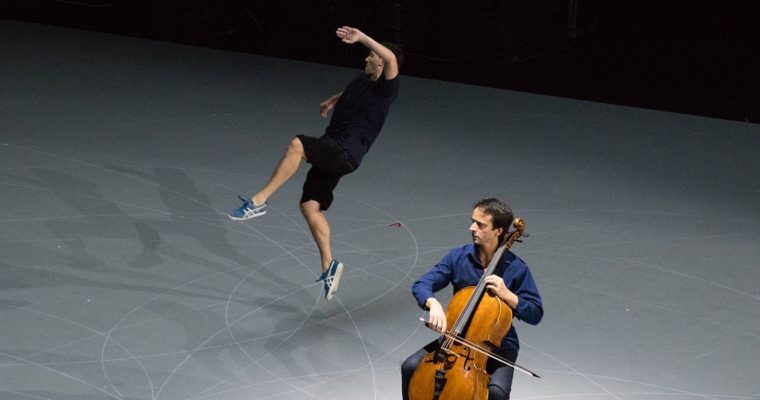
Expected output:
(248, 210)
(331, 278)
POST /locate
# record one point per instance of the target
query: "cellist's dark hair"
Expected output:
(500, 212)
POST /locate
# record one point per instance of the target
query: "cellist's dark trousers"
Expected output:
(501, 375)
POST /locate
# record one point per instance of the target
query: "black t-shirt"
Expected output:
(360, 113)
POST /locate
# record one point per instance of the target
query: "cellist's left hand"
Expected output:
(495, 285)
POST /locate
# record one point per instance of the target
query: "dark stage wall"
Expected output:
(688, 57)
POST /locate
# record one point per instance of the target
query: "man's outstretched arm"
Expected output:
(352, 35)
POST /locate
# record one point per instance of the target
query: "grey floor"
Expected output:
(121, 278)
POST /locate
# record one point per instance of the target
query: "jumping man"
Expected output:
(358, 116)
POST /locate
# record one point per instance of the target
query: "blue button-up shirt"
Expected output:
(462, 268)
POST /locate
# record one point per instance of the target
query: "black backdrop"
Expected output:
(696, 57)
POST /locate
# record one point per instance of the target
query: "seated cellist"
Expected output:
(463, 266)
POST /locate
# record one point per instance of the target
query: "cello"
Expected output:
(456, 370)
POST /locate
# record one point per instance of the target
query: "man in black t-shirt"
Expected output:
(358, 115)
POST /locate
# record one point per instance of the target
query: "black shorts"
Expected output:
(329, 162)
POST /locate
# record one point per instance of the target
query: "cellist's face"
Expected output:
(482, 230)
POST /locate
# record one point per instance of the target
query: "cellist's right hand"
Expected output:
(437, 317)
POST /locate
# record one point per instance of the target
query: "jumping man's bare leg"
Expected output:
(320, 230)
(287, 166)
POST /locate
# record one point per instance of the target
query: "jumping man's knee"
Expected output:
(309, 207)
(296, 146)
